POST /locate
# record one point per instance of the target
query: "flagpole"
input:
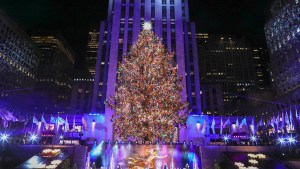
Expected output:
(32, 123)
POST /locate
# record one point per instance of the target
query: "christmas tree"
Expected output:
(147, 101)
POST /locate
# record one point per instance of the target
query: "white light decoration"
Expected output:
(259, 156)
(56, 162)
(252, 167)
(253, 138)
(3, 137)
(226, 138)
(33, 137)
(281, 140)
(147, 25)
(239, 164)
(252, 161)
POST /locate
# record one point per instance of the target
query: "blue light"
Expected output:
(281, 140)
(61, 137)
(291, 140)
(33, 137)
(96, 150)
(3, 137)
(225, 138)
(253, 138)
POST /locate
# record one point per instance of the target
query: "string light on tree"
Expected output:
(148, 100)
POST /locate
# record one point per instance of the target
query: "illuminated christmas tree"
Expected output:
(147, 102)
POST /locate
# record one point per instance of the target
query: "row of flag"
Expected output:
(283, 121)
(58, 121)
(223, 125)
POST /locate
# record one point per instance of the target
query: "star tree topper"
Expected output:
(147, 25)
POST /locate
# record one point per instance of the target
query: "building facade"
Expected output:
(82, 93)
(226, 61)
(282, 32)
(261, 59)
(170, 21)
(19, 59)
(91, 52)
(54, 78)
(212, 99)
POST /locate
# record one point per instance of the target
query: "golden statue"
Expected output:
(145, 161)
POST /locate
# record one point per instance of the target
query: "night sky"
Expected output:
(73, 18)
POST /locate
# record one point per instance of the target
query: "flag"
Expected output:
(226, 122)
(204, 126)
(74, 123)
(66, 124)
(237, 122)
(272, 121)
(291, 120)
(259, 123)
(60, 120)
(26, 120)
(252, 126)
(286, 118)
(53, 120)
(291, 117)
(221, 126)
(243, 122)
(5, 123)
(84, 123)
(213, 125)
(277, 120)
(282, 121)
(44, 121)
(35, 120)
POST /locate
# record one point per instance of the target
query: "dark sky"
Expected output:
(73, 18)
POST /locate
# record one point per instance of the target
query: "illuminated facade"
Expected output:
(82, 90)
(170, 21)
(226, 61)
(282, 34)
(19, 57)
(261, 67)
(54, 79)
(91, 52)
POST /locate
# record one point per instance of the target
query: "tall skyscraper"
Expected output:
(226, 61)
(19, 59)
(170, 21)
(54, 78)
(91, 52)
(283, 33)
